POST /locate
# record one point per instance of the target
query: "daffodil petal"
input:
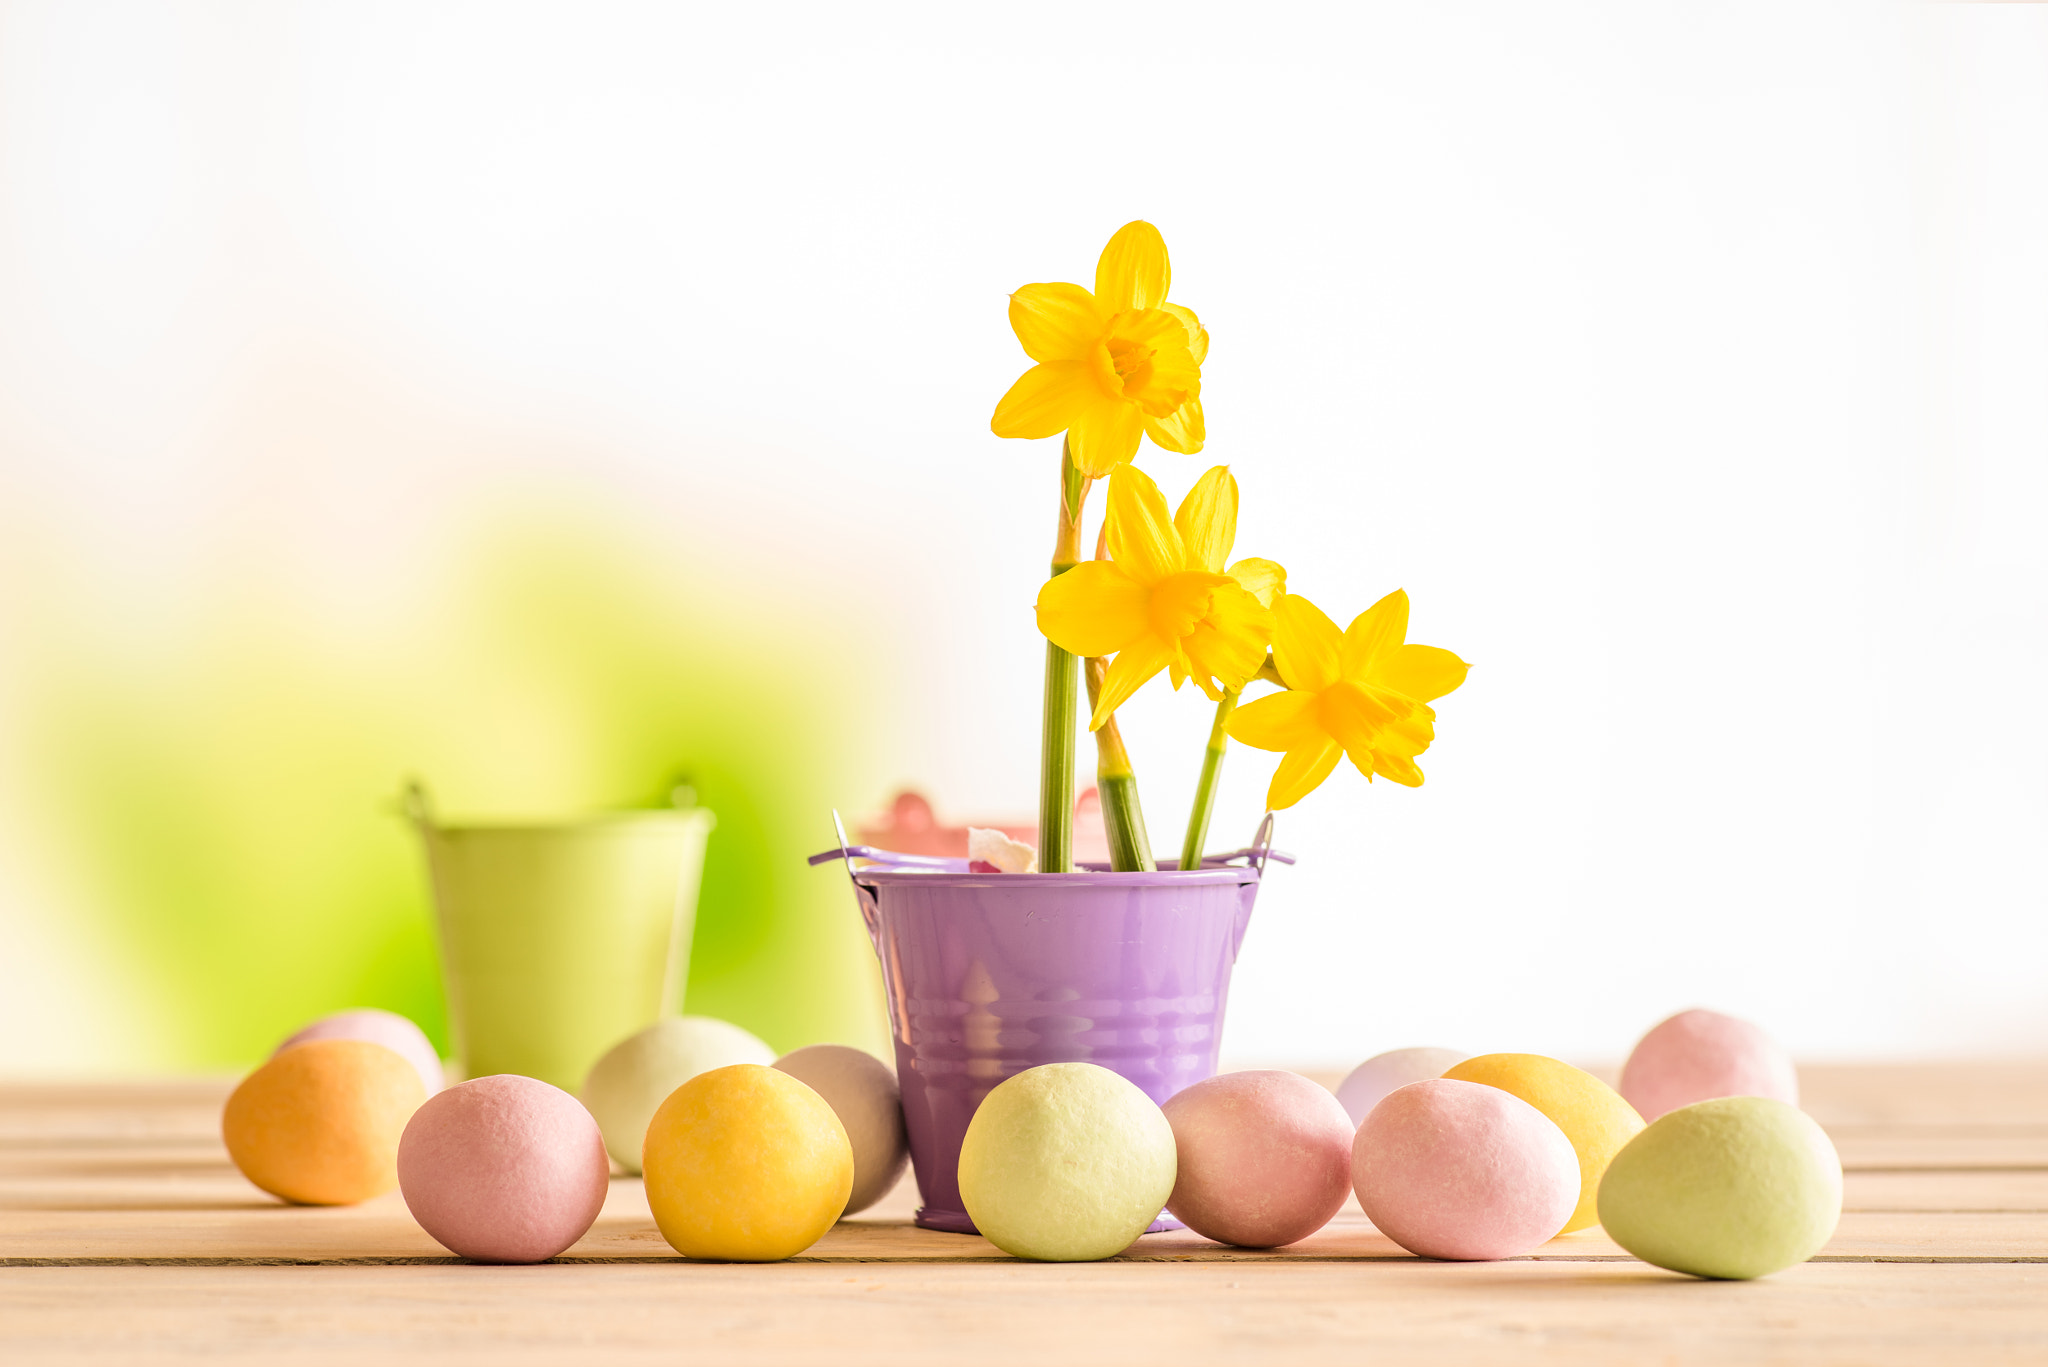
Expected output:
(1399, 768)
(1301, 772)
(1095, 608)
(1207, 520)
(1424, 673)
(1181, 431)
(1142, 538)
(1264, 580)
(1046, 400)
(1128, 672)
(1378, 630)
(1056, 322)
(1105, 433)
(1198, 336)
(1132, 272)
(1305, 643)
(1229, 643)
(1278, 721)
(1368, 720)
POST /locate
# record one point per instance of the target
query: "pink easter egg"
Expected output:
(1700, 1056)
(394, 1032)
(1370, 1081)
(1452, 1169)
(504, 1169)
(1264, 1158)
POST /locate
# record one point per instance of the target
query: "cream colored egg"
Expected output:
(627, 1086)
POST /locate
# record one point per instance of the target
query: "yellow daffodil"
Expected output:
(1163, 599)
(1362, 692)
(1114, 365)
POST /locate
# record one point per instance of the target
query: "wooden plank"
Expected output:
(1948, 1190)
(1580, 1314)
(1938, 1148)
(224, 1219)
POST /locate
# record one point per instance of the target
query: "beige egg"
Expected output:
(862, 1091)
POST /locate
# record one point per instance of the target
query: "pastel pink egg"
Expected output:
(393, 1031)
(1264, 1158)
(1371, 1080)
(504, 1169)
(1460, 1170)
(1701, 1055)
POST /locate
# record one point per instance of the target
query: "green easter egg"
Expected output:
(1066, 1162)
(1739, 1187)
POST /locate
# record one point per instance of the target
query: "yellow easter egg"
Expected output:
(745, 1164)
(1591, 1114)
(319, 1124)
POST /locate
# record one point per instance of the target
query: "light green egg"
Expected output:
(1739, 1187)
(1066, 1162)
(627, 1086)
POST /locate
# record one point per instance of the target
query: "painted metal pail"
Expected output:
(988, 974)
(559, 939)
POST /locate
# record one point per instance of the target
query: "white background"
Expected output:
(1687, 364)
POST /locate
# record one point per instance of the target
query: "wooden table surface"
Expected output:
(126, 1236)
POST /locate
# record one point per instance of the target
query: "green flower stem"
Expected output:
(1062, 694)
(1205, 787)
(1056, 763)
(1123, 820)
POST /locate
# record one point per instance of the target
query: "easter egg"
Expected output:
(1452, 1169)
(503, 1169)
(319, 1123)
(1066, 1162)
(1738, 1187)
(1262, 1158)
(1382, 1073)
(1591, 1113)
(387, 1028)
(627, 1085)
(1699, 1055)
(861, 1090)
(746, 1164)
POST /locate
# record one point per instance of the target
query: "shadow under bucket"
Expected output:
(988, 974)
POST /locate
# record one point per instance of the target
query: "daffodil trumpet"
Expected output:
(1362, 693)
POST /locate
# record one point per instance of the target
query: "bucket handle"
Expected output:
(414, 803)
(1262, 845)
(870, 913)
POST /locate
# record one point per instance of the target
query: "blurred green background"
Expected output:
(223, 798)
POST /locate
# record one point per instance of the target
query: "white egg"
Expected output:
(862, 1091)
(1371, 1080)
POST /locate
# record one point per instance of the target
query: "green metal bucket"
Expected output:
(558, 940)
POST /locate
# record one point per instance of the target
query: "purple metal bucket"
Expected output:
(988, 974)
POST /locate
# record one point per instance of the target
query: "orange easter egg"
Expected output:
(319, 1124)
